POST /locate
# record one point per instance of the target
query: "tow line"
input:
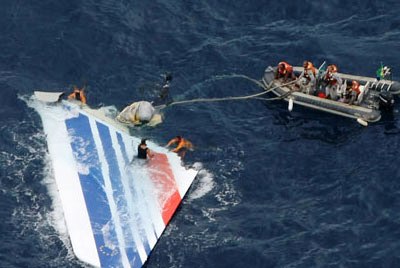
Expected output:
(253, 96)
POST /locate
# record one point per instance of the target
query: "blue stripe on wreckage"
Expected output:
(136, 196)
(118, 193)
(93, 187)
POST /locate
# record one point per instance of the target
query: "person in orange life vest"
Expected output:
(182, 145)
(307, 79)
(143, 151)
(333, 82)
(354, 91)
(78, 94)
(285, 71)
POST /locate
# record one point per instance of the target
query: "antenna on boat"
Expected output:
(322, 66)
(321, 69)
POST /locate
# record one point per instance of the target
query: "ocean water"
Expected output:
(276, 189)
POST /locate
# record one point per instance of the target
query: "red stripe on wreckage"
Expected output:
(166, 188)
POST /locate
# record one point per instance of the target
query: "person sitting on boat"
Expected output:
(333, 82)
(285, 71)
(354, 91)
(307, 79)
(78, 94)
(182, 145)
(143, 151)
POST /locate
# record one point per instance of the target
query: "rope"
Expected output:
(275, 98)
(258, 83)
(235, 97)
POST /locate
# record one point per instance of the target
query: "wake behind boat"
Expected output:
(373, 96)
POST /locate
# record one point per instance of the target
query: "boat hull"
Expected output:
(366, 113)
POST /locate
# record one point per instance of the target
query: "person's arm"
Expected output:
(353, 97)
(339, 79)
(180, 146)
(286, 76)
(171, 142)
(301, 75)
(188, 145)
(83, 97)
(312, 76)
(149, 153)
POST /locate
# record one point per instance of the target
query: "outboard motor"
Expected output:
(386, 101)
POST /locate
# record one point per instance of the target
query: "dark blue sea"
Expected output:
(276, 188)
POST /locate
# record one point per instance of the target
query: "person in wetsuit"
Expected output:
(143, 151)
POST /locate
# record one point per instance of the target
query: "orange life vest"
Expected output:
(355, 86)
(287, 67)
(334, 68)
(182, 143)
(78, 94)
(329, 77)
(309, 66)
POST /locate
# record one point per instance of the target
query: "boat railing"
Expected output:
(363, 92)
(381, 85)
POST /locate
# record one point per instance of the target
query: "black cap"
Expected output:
(143, 141)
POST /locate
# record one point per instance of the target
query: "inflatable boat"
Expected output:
(375, 96)
(115, 205)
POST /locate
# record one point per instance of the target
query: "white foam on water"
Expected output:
(63, 165)
(55, 217)
(205, 182)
